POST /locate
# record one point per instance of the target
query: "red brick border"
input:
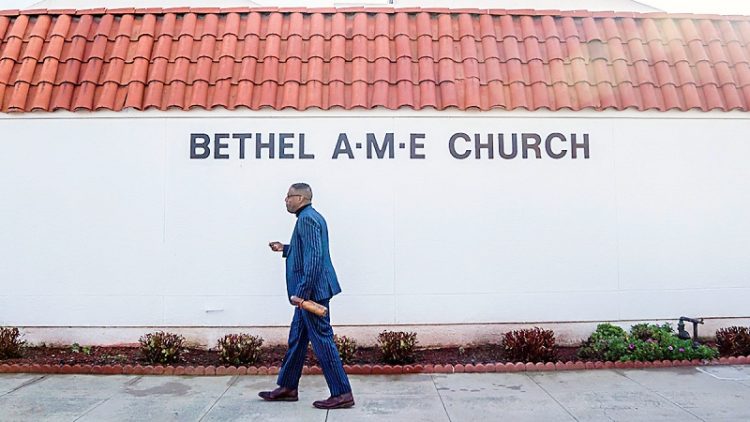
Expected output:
(365, 369)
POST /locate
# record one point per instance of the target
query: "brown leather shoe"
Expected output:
(336, 402)
(279, 394)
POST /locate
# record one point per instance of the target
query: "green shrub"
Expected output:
(161, 347)
(733, 341)
(651, 331)
(608, 330)
(397, 347)
(347, 348)
(646, 342)
(649, 342)
(704, 352)
(608, 342)
(648, 350)
(530, 345)
(11, 345)
(671, 348)
(239, 349)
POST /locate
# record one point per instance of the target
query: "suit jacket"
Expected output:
(309, 270)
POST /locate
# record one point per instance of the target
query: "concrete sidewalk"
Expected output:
(713, 393)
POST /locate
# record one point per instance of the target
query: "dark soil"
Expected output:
(271, 356)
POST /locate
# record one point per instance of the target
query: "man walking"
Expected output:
(309, 276)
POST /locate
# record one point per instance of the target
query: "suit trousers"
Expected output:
(307, 327)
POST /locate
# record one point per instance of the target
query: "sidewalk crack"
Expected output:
(92, 408)
(133, 381)
(552, 397)
(660, 395)
(232, 382)
(445, 409)
(25, 384)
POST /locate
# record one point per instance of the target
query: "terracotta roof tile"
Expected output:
(363, 58)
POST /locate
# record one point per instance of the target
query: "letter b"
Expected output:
(203, 144)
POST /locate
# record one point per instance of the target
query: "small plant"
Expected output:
(733, 341)
(11, 345)
(530, 345)
(347, 348)
(77, 348)
(397, 347)
(608, 342)
(239, 349)
(118, 358)
(161, 347)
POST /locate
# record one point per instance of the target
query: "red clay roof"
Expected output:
(351, 58)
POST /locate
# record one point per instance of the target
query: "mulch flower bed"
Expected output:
(483, 358)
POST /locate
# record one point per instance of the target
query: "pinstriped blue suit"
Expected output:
(309, 270)
(310, 275)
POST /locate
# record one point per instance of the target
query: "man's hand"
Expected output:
(296, 301)
(276, 246)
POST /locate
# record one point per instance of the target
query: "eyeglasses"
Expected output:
(290, 196)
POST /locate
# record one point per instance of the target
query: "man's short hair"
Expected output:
(304, 189)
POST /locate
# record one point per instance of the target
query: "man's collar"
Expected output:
(302, 208)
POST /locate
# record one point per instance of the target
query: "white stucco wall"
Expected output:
(106, 221)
